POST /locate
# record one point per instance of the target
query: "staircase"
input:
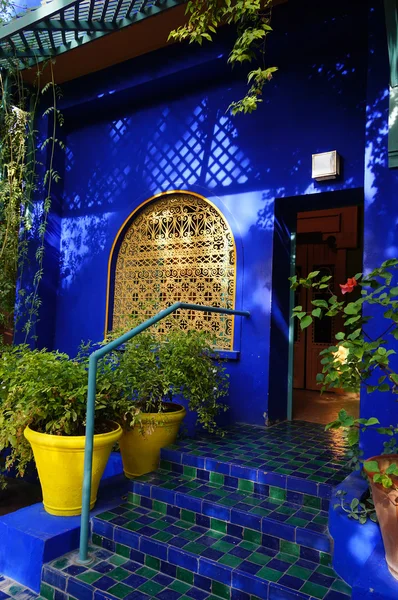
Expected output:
(242, 517)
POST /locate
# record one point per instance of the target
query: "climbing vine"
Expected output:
(252, 20)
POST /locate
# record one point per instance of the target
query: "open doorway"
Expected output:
(328, 241)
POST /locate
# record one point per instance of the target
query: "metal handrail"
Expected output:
(92, 380)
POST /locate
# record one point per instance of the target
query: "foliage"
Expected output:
(23, 220)
(252, 19)
(48, 392)
(359, 511)
(357, 359)
(157, 369)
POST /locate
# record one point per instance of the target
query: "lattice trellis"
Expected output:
(178, 248)
(62, 25)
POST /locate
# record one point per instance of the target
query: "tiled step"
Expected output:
(11, 590)
(297, 456)
(266, 511)
(115, 577)
(274, 569)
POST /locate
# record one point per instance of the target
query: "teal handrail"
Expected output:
(92, 381)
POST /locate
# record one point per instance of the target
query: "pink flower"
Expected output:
(349, 286)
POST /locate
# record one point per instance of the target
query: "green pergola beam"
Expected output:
(63, 25)
(391, 14)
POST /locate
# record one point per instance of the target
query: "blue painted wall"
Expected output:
(159, 123)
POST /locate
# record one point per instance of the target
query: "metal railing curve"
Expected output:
(83, 557)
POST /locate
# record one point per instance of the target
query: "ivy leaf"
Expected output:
(371, 466)
(305, 322)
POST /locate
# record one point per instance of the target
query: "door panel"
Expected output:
(320, 334)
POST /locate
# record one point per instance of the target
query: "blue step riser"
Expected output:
(205, 571)
(236, 521)
(175, 461)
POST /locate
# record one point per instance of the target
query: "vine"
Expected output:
(252, 20)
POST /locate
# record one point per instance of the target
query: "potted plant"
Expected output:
(158, 369)
(42, 415)
(357, 360)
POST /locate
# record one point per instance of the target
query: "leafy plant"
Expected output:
(357, 510)
(157, 369)
(252, 19)
(359, 360)
(48, 391)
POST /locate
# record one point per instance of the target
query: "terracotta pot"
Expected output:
(386, 505)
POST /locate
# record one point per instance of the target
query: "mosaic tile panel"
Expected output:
(10, 590)
(271, 513)
(247, 563)
(295, 455)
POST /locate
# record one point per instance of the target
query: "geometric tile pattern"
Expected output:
(10, 589)
(249, 560)
(294, 455)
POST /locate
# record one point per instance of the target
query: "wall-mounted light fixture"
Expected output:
(326, 165)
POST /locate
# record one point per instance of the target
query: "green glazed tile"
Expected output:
(162, 536)
(229, 560)
(314, 590)
(252, 536)
(297, 522)
(218, 525)
(195, 548)
(269, 574)
(278, 493)
(185, 575)
(145, 572)
(90, 576)
(188, 515)
(160, 507)
(216, 478)
(117, 560)
(223, 546)
(189, 471)
(299, 572)
(123, 550)
(151, 587)
(152, 562)
(180, 586)
(288, 558)
(221, 590)
(290, 548)
(259, 559)
(326, 571)
(106, 516)
(97, 539)
(325, 559)
(119, 574)
(120, 590)
(245, 486)
(341, 586)
(47, 592)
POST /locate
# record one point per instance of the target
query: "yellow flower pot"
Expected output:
(140, 447)
(60, 464)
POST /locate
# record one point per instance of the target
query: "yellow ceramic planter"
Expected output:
(140, 447)
(60, 464)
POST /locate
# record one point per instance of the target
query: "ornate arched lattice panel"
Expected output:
(177, 248)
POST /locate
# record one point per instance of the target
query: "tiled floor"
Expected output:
(9, 589)
(300, 449)
(314, 407)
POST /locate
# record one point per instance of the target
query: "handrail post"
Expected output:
(90, 414)
(88, 459)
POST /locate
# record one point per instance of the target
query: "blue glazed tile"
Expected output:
(249, 567)
(239, 595)
(171, 455)
(270, 542)
(320, 579)
(153, 548)
(203, 521)
(131, 566)
(103, 528)
(203, 474)
(231, 481)
(278, 565)
(235, 530)
(309, 554)
(103, 567)
(143, 489)
(108, 544)
(163, 495)
(137, 556)
(220, 573)
(250, 584)
(188, 502)
(183, 559)
(216, 511)
(325, 491)
(178, 542)
(146, 502)
(123, 520)
(212, 554)
(202, 583)
(305, 563)
(294, 497)
(213, 465)
(176, 468)
(126, 537)
(168, 569)
(197, 594)
(104, 583)
(273, 479)
(277, 529)
(193, 461)
(136, 595)
(173, 511)
(312, 539)
(244, 473)
(245, 519)
(79, 590)
(291, 582)
(163, 579)
(168, 595)
(4, 596)
(134, 580)
(54, 578)
(303, 485)
(74, 570)
(261, 488)
(333, 595)
(239, 552)
(276, 592)
(325, 504)
(58, 595)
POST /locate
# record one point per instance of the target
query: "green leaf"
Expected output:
(316, 312)
(353, 436)
(314, 274)
(354, 503)
(306, 322)
(371, 466)
(352, 308)
(340, 335)
(391, 470)
(320, 303)
(394, 291)
(372, 421)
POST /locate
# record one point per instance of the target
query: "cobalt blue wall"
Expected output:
(159, 123)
